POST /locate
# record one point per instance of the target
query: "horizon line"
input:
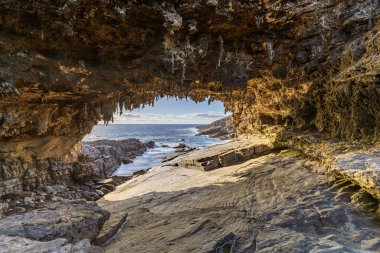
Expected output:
(102, 123)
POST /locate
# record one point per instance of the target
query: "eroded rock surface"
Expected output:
(274, 203)
(73, 221)
(217, 156)
(223, 129)
(68, 226)
(296, 65)
(9, 244)
(356, 162)
(306, 65)
(94, 160)
(100, 158)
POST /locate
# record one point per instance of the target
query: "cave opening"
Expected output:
(148, 135)
(301, 80)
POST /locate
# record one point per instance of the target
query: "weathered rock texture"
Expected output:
(223, 129)
(306, 64)
(95, 160)
(106, 155)
(274, 203)
(295, 65)
(72, 221)
(358, 163)
(16, 244)
(62, 227)
(218, 156)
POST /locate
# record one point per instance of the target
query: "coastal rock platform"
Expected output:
(217, 156)
(272, 203)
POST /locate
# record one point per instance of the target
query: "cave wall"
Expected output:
(277, 65)
(302, 65)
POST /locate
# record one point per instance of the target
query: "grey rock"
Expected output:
(17, 195)
(18, 244)
(4, 207)
(28, 200)
(211, 158)
(99, 192)
(8, 90)
(74, 222)
(91, 195)
(54, 189)
(222, 129)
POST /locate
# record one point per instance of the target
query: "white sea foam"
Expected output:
(166, 137)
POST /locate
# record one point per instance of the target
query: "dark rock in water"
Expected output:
(180, 146)
(149, 144)
(127, 160)
(140, 172)
(222, 129)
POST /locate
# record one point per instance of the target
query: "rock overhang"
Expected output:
(303, 65)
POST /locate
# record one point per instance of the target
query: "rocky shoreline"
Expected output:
(284, 69)
(247, 195)
(63, 217)
(222, 129)
(55, 222)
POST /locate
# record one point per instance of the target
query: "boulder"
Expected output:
(54, 189)
(73, 221)
(181, 146)
(19, 244)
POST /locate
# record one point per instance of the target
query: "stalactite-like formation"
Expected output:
(221, 51)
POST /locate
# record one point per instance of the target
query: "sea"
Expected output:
(166, 137)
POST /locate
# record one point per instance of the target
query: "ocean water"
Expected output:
(170, 135)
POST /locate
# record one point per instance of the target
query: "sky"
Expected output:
(172, 111)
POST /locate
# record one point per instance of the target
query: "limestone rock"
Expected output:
(72, 221)
(272, 203)
(214, 157)
(18, 244)
(222, 129)
(100, 158)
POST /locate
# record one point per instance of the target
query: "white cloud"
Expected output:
(129, 115)
(152, 118)
(207, 115)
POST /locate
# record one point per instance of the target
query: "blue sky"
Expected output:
(172, 111)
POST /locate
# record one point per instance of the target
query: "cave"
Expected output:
(300, 79)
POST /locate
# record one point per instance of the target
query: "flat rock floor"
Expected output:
(274, 203)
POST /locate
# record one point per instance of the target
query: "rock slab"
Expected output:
(73, 221)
